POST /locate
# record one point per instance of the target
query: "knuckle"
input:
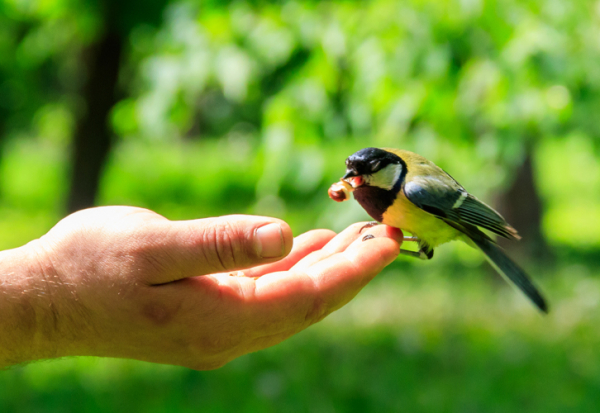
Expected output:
(224, 246)
(317, 311)
(213, 352)
(216, 347)
(317, 307)
(223, 345)
(149, 262)
(220, 245)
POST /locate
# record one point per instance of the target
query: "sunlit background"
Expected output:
(197, 109)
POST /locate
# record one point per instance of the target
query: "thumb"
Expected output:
(227, 243)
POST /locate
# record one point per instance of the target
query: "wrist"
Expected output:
(28, 325)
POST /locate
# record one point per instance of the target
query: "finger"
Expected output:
(350, 235)
(377, 232)
(337, 244)
(345, 238)
(304, 244)
(356, 266)
(295, 299)
(184, 249)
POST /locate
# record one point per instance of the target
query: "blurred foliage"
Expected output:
(294, 87)
(252, 107)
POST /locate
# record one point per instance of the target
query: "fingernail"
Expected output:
(269, 241)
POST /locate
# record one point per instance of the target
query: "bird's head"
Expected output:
(374, 167)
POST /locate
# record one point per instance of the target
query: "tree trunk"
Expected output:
(522, 207)
(93, 137)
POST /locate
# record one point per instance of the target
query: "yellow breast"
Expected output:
(405, 215)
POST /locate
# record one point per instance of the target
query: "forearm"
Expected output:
(23, 309)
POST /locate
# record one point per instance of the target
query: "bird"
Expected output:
(404, 190)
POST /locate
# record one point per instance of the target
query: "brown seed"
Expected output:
(340, 191)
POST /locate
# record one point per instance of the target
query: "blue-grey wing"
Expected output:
(443, 197)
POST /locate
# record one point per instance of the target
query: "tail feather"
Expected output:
(510, 271)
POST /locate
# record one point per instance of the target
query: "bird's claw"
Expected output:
(368, 225)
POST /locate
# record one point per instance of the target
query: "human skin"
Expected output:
(126, 282)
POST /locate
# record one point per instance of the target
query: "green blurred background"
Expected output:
(197, 109)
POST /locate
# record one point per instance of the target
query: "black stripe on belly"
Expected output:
(374, 200)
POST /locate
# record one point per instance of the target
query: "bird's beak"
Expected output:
(353, 177)
(350, 173)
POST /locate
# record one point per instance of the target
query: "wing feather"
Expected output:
(446, 198)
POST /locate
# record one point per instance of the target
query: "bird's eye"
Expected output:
(375, 165)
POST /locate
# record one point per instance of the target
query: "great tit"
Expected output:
(404, 190)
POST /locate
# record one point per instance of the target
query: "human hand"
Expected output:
(126, 282)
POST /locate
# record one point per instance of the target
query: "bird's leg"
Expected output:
(415, 254)
(423, 255)
(425, 251)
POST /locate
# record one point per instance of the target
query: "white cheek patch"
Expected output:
(386, 177)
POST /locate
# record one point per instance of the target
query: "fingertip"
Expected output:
(394, 233)
(287, 236)
(378, 251)
(384, 231)
(274, 240)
